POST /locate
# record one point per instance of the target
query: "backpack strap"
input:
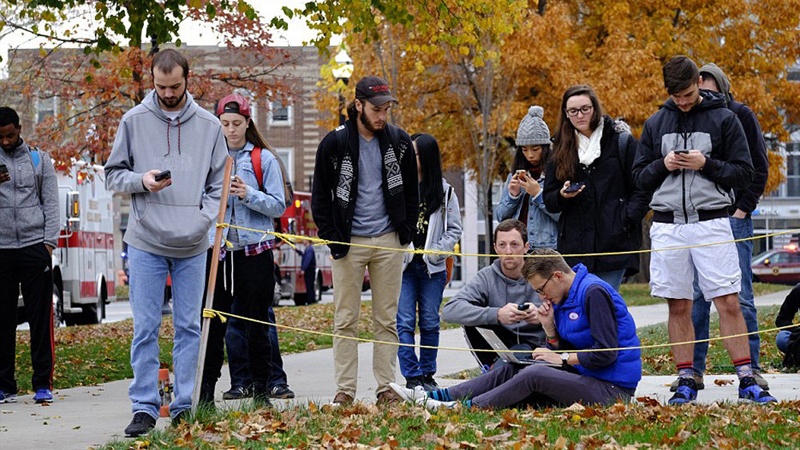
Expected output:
(36, 159)
(255, 157)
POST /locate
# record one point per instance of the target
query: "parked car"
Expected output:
(778, 266)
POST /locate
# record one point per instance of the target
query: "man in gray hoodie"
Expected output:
(29, 214)
(169, 155)
(492, 298)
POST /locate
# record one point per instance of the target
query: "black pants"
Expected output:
(31, 268)
(215, 348)
(250, 295)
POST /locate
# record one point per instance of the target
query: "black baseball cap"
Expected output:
(374, 90)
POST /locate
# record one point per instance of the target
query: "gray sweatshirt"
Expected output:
(27, 218)
(175, 221)
(477, 303)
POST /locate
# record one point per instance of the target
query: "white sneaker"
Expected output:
(419, 397)
(433, 405)
(416, 395)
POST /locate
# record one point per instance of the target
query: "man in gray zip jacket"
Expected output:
(492, 298)
(168, 227)
(29, 214)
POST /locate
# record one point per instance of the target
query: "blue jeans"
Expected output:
(742, 228)
(782, 340)
(236, 343)
(612, 277)
(423, 291)
(147, 281)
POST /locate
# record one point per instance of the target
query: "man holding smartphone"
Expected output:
(29, 214)
(168, 137)
(692, 191)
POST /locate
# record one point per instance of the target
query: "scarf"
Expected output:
(589, 148)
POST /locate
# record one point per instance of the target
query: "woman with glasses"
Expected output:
(590, 184)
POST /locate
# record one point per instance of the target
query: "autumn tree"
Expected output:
(466, 71)
(109, 74)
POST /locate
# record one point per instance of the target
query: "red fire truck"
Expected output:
(297, 220)
(83, 264)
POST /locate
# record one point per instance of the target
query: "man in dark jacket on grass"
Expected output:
(365, 192)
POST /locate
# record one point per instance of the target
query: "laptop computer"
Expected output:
(504, 353)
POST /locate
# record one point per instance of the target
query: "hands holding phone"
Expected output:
(156, 180)
(238, 187)
(684, 159)
(572, 189)
(4, 176)
(522, 180)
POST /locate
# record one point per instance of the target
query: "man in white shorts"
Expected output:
(692, 155)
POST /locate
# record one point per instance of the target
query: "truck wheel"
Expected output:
(58, 307)
(92, 314)
(318, 289)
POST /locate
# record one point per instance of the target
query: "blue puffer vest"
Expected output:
(573, 326)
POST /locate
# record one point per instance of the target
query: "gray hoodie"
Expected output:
(477, 303)
(173, 222)
(28, 211)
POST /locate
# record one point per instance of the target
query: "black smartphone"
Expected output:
(524, 306)
(680, 152)
(163, 175)
(574, 187)
(3, 168)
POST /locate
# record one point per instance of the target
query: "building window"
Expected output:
(285, 153)
(793, 169)
(280, 115)
(45, 107)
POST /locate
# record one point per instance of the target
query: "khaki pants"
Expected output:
(385, 273)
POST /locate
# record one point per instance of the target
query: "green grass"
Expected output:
(638, 294)
(646, 425)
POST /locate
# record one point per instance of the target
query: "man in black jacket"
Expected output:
(692, 155)
(746, 200)
(364, 198)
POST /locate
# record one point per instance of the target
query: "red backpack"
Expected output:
(288, 192)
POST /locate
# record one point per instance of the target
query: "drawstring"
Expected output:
(169, 149)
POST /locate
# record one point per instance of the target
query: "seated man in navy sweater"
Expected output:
(579, 312)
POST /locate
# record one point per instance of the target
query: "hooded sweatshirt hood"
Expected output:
(724, 85)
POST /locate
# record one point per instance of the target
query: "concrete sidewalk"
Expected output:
(91, 416)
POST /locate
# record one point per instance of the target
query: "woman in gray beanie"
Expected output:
(522, 194)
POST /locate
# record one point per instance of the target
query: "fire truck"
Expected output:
(84, 269)
(297, 220)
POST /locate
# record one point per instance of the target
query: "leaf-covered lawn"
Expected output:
(364, 426)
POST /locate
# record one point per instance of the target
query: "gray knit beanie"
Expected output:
(532, 129)
(720, 78)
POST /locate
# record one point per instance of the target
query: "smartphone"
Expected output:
(681, 152)
(163, 175)
(3, 168)
(524, 306)
(574, 187)
(521, 173)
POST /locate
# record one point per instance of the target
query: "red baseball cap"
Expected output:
(242, 106)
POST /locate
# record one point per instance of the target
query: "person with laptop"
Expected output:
(590, 333)
(499, 298)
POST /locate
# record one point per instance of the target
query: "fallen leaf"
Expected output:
(721, 382)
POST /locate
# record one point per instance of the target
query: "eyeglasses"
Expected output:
(540, 291)
(572, 112)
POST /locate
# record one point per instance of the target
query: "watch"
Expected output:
(565, 359)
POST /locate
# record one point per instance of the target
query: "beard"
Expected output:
(171, 102)
(367, 124)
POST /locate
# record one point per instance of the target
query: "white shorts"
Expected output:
(672, 272)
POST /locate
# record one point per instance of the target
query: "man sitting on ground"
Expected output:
(492, 298)
(579, 311)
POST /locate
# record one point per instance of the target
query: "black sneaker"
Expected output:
(236, 393)
(141, 424)
(429, 383)
(281, 391)
(412, 382)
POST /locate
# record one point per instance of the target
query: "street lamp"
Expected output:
(341, 72)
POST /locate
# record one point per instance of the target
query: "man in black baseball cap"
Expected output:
(365, 192)
(374, 90)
